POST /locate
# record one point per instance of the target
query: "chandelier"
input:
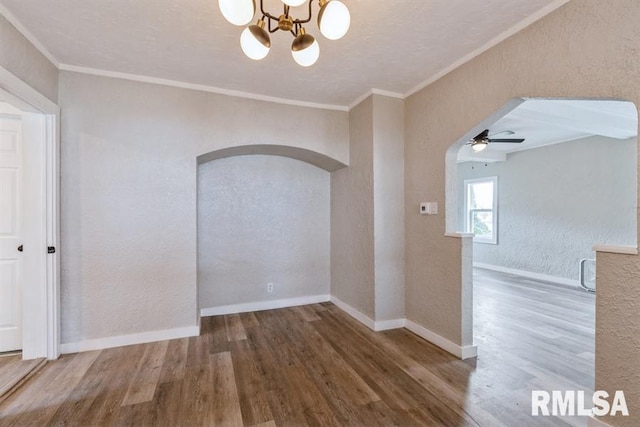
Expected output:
(333, 21)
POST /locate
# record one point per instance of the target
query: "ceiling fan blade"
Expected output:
(507, 140)
(503, 132)
(482, 135)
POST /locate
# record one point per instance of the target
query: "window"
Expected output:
(481, 209)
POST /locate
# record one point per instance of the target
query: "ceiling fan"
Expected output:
(480, 141)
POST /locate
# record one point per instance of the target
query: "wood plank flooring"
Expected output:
(315, 365)
(14, 371)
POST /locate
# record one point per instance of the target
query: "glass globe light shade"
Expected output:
(305, 50)
(255, 42)
(238, 12)
(479, 146)
(334, 20)
(294, 3)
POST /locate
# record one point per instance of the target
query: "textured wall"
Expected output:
(352, 223)
(262, 219)
(388, 193)
(557, 202)
(616, 366)
(587, 48)
(367, 212)
(128, 193)
(22, 59)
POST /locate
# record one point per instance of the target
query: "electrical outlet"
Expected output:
(269, 287)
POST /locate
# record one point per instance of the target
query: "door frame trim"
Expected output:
(26, 98)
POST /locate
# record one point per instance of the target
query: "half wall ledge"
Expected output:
(616, 249)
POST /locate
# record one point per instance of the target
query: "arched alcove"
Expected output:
(263, 227)
(312, 157)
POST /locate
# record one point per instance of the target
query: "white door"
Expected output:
(10, 234)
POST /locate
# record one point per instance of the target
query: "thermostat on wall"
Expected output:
(429, 208)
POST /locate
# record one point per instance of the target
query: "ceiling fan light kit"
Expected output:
(333, 20)
(479, 146)
(481, 141)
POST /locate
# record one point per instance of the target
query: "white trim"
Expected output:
(494, 209)
(362, 318)
(198, 87)
(359, 99)
(616, 249)
(596, 422)
(26, 95)
(123, 340)
(381, 325)
(52, 207)
(387, 93)
(459, 235)
(387, 325)
(528, 274)
(263, 305)
(21, 95)
(466, 352)
(374, 91)
(491, 43)
(28, 35)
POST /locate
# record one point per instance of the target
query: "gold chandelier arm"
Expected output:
(297, 22)
(265, 13)
(271, 31)
(303, 21)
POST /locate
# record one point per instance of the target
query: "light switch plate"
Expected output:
(429, 208)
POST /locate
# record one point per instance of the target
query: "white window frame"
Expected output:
(467, 212)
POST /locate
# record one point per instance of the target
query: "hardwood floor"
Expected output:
(315, 365)
(14, 371)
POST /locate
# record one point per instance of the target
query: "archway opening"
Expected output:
(556, 178)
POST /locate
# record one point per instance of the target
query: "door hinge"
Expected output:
(51, 249)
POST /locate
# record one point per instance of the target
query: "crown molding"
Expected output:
(248, 95)
(28, 35)
(375, 91)
(387, 93)
(197, 87)
(493, 42)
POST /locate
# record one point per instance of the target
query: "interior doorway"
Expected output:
(539, 185)
(29, 220)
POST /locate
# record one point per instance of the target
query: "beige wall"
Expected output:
(617, 336)
(388, 194)
(587, 48)
(23, 60)
(352, 217)
(128, 193)
(367, 212)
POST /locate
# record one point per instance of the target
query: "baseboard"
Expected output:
(123, 340)
(362, 318)
(386, 325)
(596, 422)
(528, 274)
(377, 326)
(263, 305)
(466, 352)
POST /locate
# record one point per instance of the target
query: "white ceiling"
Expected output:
(393, 45)
(544, 122)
